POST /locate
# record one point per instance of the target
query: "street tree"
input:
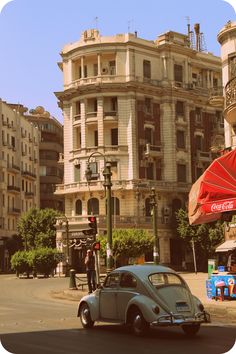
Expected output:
(37, 229)
(128, 243)
(205, 236)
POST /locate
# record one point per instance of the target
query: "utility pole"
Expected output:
(153, 203)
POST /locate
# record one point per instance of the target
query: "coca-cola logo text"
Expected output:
(222, 206)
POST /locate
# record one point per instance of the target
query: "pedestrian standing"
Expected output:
(90, 270)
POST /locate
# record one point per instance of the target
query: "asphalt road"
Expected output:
(32, 322)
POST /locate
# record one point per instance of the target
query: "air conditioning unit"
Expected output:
(166, 211)
(166, 220)
(76, 162)
(147, 151)
(104, 70)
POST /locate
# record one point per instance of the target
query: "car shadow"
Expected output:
(116, 339)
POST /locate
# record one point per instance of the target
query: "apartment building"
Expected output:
(51, 170)
(144, 106)
(19, 173)
(227, 39)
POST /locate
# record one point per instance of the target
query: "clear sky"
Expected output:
(33, 33)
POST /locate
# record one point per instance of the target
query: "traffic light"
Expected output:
(96, 246)
(93, 224)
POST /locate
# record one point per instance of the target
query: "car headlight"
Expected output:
(156, 309)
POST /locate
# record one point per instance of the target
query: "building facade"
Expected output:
(227, 39)
(51, 170)
(19, 173)
(145, 107)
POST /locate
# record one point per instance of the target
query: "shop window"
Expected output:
(181, 173)
(148, 209)
(114, 136)
(150, 171)
(180, 139)
(148, 133)
(178, 73)
(199, 142)
(147, 69)
(179, 108)
(93, 206)
(148, 105)
(95, 138)
(115, 206)
(78, 207)
(198, 115)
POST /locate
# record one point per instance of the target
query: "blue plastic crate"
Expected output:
(221, 269)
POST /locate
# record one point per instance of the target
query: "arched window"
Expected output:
(148, 207)
(93, 206)
(115, 206)
(78, 207)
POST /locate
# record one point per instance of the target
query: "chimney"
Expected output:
(197, 32)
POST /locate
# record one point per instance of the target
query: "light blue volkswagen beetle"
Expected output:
(144, 295)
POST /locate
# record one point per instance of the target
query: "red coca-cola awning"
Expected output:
(215, 191)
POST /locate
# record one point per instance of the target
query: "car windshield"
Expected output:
(160, 279)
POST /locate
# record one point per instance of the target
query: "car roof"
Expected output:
(145, 270)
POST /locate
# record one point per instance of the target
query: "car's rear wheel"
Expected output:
(85, 317)
(191, 330)
(139, 325)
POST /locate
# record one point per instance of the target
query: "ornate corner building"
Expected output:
(227, 40)
(147, 107)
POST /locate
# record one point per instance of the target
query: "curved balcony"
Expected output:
(230, 102)
(216, 98)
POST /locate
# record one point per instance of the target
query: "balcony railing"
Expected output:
(152, 150)
(12, 188)
(204, 155)
(29, 194)
(29, 174)
(14, 210)
(230, 92)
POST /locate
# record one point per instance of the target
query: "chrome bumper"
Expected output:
(175, 319)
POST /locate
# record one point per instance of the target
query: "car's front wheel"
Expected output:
(191, 330)
(138, 324)
(85, 317)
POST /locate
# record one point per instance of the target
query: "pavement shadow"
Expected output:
(115, 339)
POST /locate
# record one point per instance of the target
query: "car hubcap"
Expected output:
(137, 323)
(85, 314)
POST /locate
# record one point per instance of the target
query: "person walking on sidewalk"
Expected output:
(90, 270)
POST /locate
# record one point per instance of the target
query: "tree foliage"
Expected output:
(127, 243)
(37, 228)
(205, 236)
(22, 262)
(37, 261)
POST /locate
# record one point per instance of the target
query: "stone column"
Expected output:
(82, 67)
(99, 64)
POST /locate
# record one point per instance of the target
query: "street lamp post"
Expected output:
(107, 185)
(153, 204)
(66, 221)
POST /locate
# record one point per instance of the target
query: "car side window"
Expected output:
(112, 281)
(127, 280)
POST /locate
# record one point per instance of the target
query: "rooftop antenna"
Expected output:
(96, 22)
(129, 25)
(188, 24)
(191, 37)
